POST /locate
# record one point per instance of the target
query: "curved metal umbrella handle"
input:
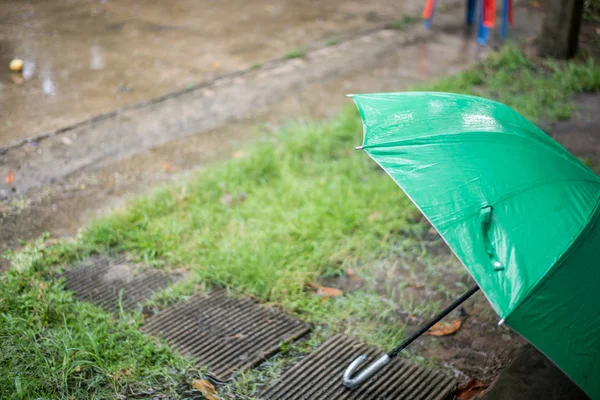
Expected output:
(353, 382)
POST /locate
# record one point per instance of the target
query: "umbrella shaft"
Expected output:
(434, 321)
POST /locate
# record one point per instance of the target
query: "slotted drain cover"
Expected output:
(223, 333)
(319, 377)
(104, 281)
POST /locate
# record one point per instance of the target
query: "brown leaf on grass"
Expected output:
(167, 167)
(374, 216)
(440, 329)
(325, 291)
(535, 4)
(351, 274)
(470, 390)
(329, 292)
(10, 178)
(206, 388)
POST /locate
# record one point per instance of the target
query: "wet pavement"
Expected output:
(213, 103)
(88, 57)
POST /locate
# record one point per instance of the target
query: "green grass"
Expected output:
(295, 209)
(55, 347)
(298, 53)
(302, 206)
(538, 90)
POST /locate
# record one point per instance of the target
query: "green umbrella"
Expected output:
(518, 210)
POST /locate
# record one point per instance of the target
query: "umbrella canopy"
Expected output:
(519, 211)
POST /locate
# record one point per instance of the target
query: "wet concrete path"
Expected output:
(84, 58)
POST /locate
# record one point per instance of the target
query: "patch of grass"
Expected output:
(297, 208)
(54, 347)
(298, 53)
(402, 22)
(535, 89)
(256, 66)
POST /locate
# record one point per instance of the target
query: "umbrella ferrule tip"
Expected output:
(358, 148)
(501, 322)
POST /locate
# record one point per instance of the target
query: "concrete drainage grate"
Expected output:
(223, 333)
(105, 282)
(319, 376)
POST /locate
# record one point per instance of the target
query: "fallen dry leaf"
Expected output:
(167, 167)
(215, 64)
(535, 4)
(440, 329)
(351, 274)
(329, 292)
(374, 216)
(325, 291)
(206, 388)
(10, 178)
(470, 390)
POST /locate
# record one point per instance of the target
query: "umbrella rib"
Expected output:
(434, 139)
(516, 193)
